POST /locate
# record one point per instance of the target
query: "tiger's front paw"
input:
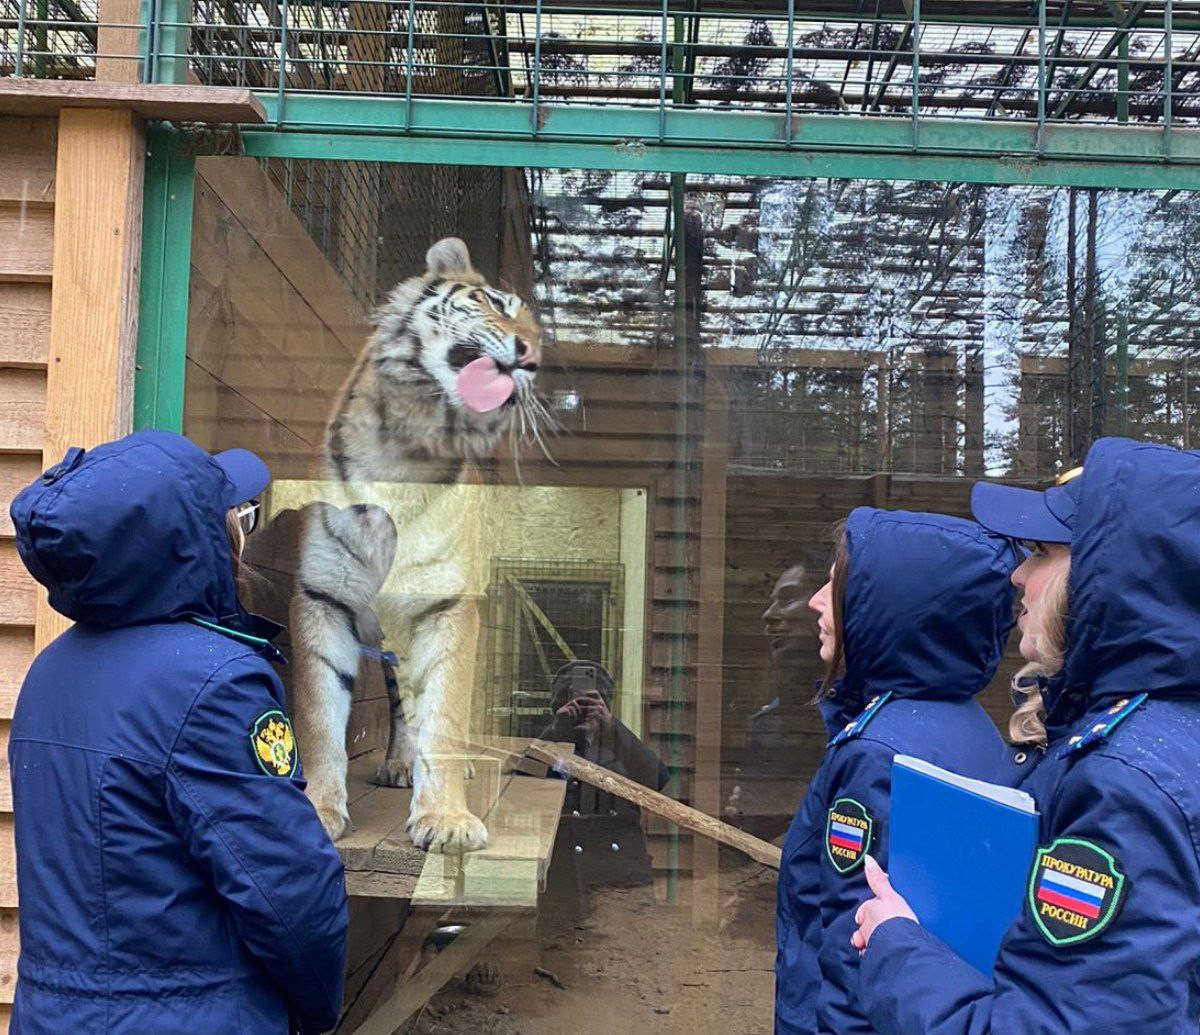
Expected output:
(449, 832)
(394, 774)
(335, 820)
(327, 792)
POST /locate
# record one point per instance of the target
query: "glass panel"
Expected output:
(726, 367)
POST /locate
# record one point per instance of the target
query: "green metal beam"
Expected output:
(164, 40)
(718, 142)
(166, 274)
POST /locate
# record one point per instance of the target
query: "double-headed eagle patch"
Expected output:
(273, 743)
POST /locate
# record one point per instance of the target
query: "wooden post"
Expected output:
(714, 462)
(883, 415)
(974, 411)
(93, 307)
(118, 42)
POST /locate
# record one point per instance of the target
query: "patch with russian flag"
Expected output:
(1075, 890)
(848, 833)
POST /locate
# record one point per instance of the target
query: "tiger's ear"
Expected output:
(449, 258)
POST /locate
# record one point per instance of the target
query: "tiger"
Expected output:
(449, 369)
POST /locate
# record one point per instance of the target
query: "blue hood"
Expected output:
(1134, 593)
(131, 532)
(929, 605)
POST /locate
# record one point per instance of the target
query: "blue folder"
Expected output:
(960, 856)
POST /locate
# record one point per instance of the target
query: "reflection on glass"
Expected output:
(728, 366)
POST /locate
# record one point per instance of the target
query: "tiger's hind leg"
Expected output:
(345, 556)
(397, 767)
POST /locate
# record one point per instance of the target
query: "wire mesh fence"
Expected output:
(912, 327)
(1047, 62)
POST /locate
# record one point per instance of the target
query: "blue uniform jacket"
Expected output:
(928, 610)
(1115, 947)
(170, 878)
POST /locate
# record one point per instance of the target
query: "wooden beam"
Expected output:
(265, 214)
(397, 963)
(455, 959)
(1057, 366)
(93, 304)
(659, 804)
(212, 104)
(24, 325)
(574, 354)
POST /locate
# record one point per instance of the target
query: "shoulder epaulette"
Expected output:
(264, 647)
(854, 728)
(1103, 728)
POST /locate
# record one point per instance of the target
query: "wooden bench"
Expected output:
(521, 814)
(489, 889)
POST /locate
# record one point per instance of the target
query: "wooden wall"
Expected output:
(27, 173)
(272, 329)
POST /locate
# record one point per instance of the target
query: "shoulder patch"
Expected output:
(1075, 890)
(848, 832)
(274, 743)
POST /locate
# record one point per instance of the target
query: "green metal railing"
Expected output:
(915, 78)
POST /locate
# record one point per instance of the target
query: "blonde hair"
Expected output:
(237, 543)
(1027, 725)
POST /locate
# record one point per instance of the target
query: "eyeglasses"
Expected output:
(248, 515)
(1067, 476)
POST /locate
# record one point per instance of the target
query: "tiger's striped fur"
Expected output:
(399, 419)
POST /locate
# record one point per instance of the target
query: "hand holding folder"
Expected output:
(959, 851)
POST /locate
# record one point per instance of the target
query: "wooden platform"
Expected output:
(178, 103)
(521, 813)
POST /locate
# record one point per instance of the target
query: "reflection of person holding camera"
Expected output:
(600, 841)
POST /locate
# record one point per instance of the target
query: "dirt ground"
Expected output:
(632, 964)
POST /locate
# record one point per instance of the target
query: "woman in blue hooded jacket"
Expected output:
(1107, 939)
(173, 877)
(918, 608)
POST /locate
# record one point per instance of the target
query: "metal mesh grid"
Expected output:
(1052, 61)
(375, 221)
(918, 327)
(350, 47)
(542, 614)
(49, 39)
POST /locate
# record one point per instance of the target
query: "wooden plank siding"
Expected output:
(272, 329)
(27, 195)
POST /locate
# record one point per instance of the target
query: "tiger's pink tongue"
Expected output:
(483, 386)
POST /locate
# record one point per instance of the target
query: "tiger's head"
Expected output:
(476, 346)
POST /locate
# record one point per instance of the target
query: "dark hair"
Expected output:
(841, 569)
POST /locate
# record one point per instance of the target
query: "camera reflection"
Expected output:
(600, 842)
